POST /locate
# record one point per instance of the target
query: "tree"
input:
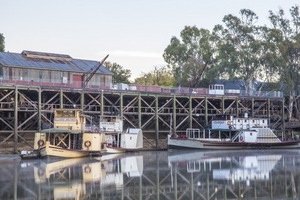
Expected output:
(240, 48)
(2, 42)
(160, 76)
(191, 56)
(287, 52)
(120, 75)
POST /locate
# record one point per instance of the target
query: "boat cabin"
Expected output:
(111, 123)
(69, 119)
(69, 132)
(112, 126)
(132, 139)
(226, 122)
(257, 135)
(216, 89)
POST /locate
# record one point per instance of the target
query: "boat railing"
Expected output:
(195, 133)
(235, 137)
(192, 133)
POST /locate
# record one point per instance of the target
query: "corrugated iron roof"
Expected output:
(51, 61)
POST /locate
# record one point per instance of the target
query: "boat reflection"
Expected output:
(177, 175)
(240, 174)
(250, 168)
(72, 178)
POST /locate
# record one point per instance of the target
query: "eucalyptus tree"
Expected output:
(190, 55)
(2, 43)
(120, 75)
(239, 48)
(160, 76)
(287, 52)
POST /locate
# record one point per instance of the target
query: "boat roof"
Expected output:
(60, 130)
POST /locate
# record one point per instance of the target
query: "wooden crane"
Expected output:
(92, 72)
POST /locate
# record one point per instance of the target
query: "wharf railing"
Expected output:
(133, 88)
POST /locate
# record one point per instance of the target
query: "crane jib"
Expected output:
(84, 84)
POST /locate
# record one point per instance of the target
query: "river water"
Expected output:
(251, 174)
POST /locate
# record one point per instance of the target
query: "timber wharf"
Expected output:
(26, 110)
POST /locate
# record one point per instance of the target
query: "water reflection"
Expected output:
(156, 175)
(82, 178)
(236, 175)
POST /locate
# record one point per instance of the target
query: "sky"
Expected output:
(133, 32)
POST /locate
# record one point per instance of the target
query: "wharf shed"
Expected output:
(51, 69)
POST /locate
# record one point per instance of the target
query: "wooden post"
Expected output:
(39, 109)
(61, 99)
(206, 111)
(139, 111)
(191, 112)
(156, 121)
(16, 120)
(174, 115)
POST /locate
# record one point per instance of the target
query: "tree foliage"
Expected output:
(2, 42)
(287, 52)
(120, 75)
(190, 56)
(160, 76)
(240, 48)
(287, 47)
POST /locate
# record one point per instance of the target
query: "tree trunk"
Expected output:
(290, 108)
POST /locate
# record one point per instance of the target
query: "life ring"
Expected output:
(87, 170)
(87, 143)
(41, 143)
(228, 122)
(241, 138)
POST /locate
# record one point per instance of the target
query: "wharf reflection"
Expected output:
(81, 178)
(236, 175)
(179, 175)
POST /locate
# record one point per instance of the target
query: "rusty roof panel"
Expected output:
(51, 61)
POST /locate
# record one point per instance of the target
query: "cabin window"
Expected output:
(250, 133)
(263, 121)
(238, 120)
(65, 114)
(245, 121)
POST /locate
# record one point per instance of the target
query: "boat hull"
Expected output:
(115, 150)
(54, 151)
(112, 150)
(176, 143)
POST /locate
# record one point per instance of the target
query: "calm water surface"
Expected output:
(264, 174)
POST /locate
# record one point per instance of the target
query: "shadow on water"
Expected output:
(261, 174)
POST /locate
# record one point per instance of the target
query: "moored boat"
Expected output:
(69, 137)
(117, 140)
(232, 133)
